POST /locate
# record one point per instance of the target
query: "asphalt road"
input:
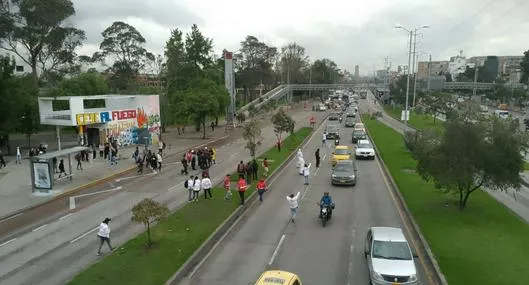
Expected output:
(54, 252)
(319, 255)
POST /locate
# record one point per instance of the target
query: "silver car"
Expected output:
(389, 257)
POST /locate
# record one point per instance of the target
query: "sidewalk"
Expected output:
(15, 179)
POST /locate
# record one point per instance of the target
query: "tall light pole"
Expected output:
(415, 61)
(406, 110)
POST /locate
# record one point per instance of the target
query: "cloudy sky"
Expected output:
(349, 32)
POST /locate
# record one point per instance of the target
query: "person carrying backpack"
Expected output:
(241, 169)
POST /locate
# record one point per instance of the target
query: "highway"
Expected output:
(55, 251)
(265, 239)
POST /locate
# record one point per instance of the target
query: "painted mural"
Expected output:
(130, 126)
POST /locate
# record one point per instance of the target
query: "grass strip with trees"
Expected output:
(176, 237)
(484, 244)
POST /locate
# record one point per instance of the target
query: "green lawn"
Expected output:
(483, 244)
(418, 121)
(176, 238)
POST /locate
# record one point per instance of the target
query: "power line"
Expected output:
(473, 16)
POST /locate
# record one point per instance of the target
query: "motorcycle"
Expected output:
(340, 119)
(325, 213)
(336, 142)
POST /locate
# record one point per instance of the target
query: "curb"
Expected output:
(93, 183)
(225, 227)
(439, 276)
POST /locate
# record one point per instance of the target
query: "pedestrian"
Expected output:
(159, 159)
(61, 168)
(249, 172)
(214, 155)
(139, 163)
(3, 161)
(206, 185)
(189, 186)
(212, 126)
(317, 154)
(136, 154)
(94, 152)
(324, 140)
(241, 169)
(227, 187)
(265, 166)
(184, 165)
(302, 164)
(78, 157)
(19, 156)
(300, 159)
(255, 169)
(261, 188)
(293, 205)
(193, 160)
(101, 150)
(104, 235)
(197, 186)
(160, 147)
(306, 173)
(241, 188)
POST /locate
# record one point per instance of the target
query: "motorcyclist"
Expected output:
(326, 201)
(340, 118)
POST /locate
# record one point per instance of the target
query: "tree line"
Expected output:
(189, 75)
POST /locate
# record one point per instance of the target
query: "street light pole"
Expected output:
(415, 57)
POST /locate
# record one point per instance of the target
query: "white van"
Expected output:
(503, 114)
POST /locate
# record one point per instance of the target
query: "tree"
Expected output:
(438, 103)
(199, 56)
(147, 212)
(283, 123)
(176, 57)
(472, 153)
(398, 90)
(292, 63)
(88, 83)
(252, 134)
(124, 45)
(10, 103)
(34, 31)
(525, 68)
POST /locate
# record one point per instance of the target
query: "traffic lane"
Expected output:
(45, 249)
(244, 253)
(335, 254)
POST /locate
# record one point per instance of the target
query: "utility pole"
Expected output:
(415, 57)
(429, 70)
(475, 80)
(310, 81)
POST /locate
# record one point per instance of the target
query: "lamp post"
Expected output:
(411, 33)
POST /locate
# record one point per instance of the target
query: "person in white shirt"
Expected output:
(159, 160)
(206, 185)
(293, 205)
(301, 167)
(197, 186)
(299, 156)
(324, 140)
(306, 173)
(104, 235)
(190, 187)
(19, 156)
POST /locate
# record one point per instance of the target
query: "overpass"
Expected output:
(480, 86)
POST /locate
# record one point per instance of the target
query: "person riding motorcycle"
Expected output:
(326, 201)
(340, 118)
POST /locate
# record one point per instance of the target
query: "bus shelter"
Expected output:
(43, 172)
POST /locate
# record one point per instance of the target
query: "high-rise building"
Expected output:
(357, 71)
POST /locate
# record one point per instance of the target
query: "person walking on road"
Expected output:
(241, 188)
(184, 165)
(19, 156)
(265, 167)
(227, 187)
(159, 159)
(241, 169)
(255, 169)
(317, 154)
(61, 168)
(104, 235)
(293, 205)
(78, 157)
(197, 186)
(261, 188)
(189, 185)
(324, 140)
(206, 185)
(306, 173)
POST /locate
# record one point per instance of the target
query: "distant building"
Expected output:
(457, 65)
(436, 68)
(357, 71)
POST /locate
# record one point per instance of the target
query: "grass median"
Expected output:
(484, 244)
(418, 121)
(177, 237)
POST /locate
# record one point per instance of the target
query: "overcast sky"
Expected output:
(349, 32)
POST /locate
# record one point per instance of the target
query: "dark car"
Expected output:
(334, 117)
(350, 122)
(333, 132)
(358, 135)
(344, 173)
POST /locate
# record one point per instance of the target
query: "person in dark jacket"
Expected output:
(249, 171)
(317, 154)
(255, 169)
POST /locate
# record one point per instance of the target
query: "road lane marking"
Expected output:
(39, 228)
(406, 226)
(351, 255)
(324, 156)
(276, 251)
(316, 171)
(135, 176)
(65, 216)
(8, 242)
(9, 218)
(84, 235)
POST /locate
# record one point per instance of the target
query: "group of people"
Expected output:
(204, 158)
(303, 167)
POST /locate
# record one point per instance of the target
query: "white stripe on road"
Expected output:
(136, 176)
(316, 171)
(39, 228)
(324, 156)
(12, 217)
(84, 235)
(65, 216)
(276, 251)
(8, 242)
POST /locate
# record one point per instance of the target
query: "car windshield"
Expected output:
(345, 167)
(359, 134)
(342, 151)
(391, 250)
(364, 145)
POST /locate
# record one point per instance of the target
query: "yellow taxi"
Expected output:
(278, 277)
(341, 152)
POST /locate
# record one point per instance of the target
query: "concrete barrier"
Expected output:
(431, 261)
(220, 232)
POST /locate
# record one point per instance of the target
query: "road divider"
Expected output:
(8, 242)
(276, 250)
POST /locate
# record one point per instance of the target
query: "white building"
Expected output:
(457, 65)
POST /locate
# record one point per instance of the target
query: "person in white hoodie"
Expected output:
(300, 160)
(189, 186)
(104, 235)
(197, 186)
(306, 173)
(206, 185)
(293, 205)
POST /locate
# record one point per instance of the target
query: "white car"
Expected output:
(360, 127)
(322, 108)
(364, 149)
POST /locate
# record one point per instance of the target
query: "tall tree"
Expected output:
(34, 30)
(438, 103)
(323, 71)
(199, 54)
(293, 61)
(88, 83)
(123, 44)
(253, 136)
(282, 123)
(525, 68)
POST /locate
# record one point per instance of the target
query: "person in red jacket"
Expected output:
(227, 187)
(241, 188)
(261, 188)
